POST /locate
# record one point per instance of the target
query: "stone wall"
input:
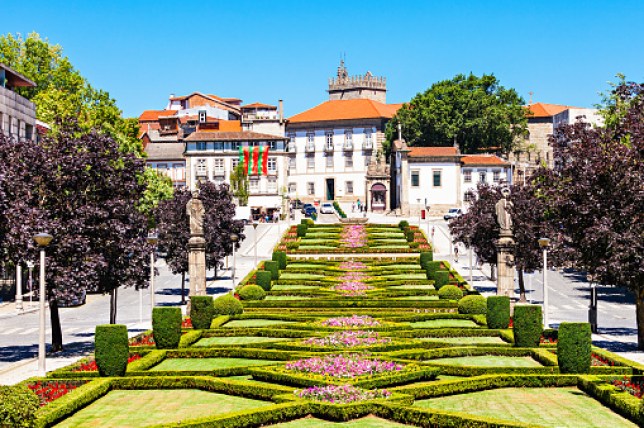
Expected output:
(17, 115)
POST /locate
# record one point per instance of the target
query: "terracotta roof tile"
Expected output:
(545, 110)
(346, 110)
(232, 136)
(432, 151)
(154, 114)
(483, 160)
(259, 105)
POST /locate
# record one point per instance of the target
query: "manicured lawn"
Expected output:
(206, 364)
(484, 340)
(297, 266)
(444, 323)
(237, 340)
(413, 287)
(249, 378)
(254, 323)
(367, 422)
(418, 298)
(293, 287)
(407, 276)
(140, 408)
(488, 361)
(551, 407)
(288, 297)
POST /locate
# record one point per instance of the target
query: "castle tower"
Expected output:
(345, 87)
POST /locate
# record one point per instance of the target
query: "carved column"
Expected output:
(505, 264)
(197, 265)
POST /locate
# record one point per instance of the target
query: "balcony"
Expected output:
(220, 173)
(291, 147)
(328, 148)
(310, 147)
(348, 147)
(367, 145)
(201, 173)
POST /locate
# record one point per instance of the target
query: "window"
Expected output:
(234, 162)
(349, 187)
(292, 187)
(310, 137)
(219, 166)
(272, 145)
(236, 145)
(201, 146)
(367, 139)
(329, 140)
(292, 163)
(253, 185)
(272, 184)
(496, 176)
(202, 168)
(310, 162)
(291, 141)
(162, 168)
(468, 196)
(179, 171)
(272, 165)
(482, 177)
(348, 160)
(415, 178)
(310, 188)
(436, 178)
(348, 138)
(467, 175)
(329, 160)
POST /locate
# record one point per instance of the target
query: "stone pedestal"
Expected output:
(197, 265)
(505, 264)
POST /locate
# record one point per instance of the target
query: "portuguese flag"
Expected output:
(254, 159)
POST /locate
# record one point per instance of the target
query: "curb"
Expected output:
(17, 365)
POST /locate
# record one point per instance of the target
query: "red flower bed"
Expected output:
(633, 387)
(143, 340)
(49, 391)
(186, 323)
(599, 361)
(91, 366)
(547, 340)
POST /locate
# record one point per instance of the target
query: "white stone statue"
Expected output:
(503, 216)
(196, 211)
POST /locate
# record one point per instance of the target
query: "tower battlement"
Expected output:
(368, 86)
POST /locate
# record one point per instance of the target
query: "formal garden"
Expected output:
(347, 325)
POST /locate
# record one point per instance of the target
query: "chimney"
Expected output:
(281, 109)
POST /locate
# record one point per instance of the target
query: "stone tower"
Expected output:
(345, 87)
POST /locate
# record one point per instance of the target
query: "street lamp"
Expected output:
(469, 245)
(255, 224)
(543, 243)
(153, 239)
(30, 266)
(42, 240)
(18, 286)
(419, 212)
(234, 238)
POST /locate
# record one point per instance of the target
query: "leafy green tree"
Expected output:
(475, 113)
(239, 184)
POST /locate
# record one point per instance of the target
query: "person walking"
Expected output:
(353, 207)
(359, 205)
(456, 253)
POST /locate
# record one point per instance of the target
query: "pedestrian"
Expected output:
(353, 207)
(359, 206)
(456, 253)
(276, 217)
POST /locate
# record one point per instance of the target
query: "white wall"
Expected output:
(446, 194)
(505, 175)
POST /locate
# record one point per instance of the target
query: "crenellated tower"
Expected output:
(345, 87)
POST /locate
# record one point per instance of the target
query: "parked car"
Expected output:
(453, 213)
(305, 207)
(310, 209)
(327, 208)
(296, 204)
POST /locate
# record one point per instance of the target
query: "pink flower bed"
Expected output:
(352, 288)
(352, 266)
(353, 236)
(341, 393)
(344, 366)
(352, 321)
(349, 339)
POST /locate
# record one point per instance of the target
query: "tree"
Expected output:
(239, 184)
(596, 194)
(475, 113)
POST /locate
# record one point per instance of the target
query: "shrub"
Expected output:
(473, 305)
(431, 268)
(574, 347)
(273, 268)
(252, 292)
(263, 279)
(111, 349)
(404, 224)
(528, 325)
(426, 257)
(441, 278)
(18, 405)
(166, 324)
(301, 230)
(292, 245)
(280, 258)
(409, 234)
(304, 222)
(201, 311)
(228, 305)
(498, 312)
(450, 292)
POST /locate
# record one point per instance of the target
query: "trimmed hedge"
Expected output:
(227, 305)
(201, 311)
(301, 230)
(441, 278)
(263, 279)
(273, 268)
(574, 347)
(251, 292)
(431, 268)
(112, 349)
(473, 305)
(426, 257)
(166, 324)
(498, 312)
(403, 224)
(450, 292)
(409, 234)
(18, 406)
(528, 325)
(280, 257)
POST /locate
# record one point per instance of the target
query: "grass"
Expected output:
(407, 276)
(287, 297)
(444, 323)
(474, 340)
(488, 361)
(237, 340)
(413, 287)
(254, 323)
(551, 407)
(206, 364)
(249, 378)
(366, 422)
(418, 298)
(293, 287)
(140, 408)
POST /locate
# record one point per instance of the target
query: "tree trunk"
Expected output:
(183, 288)
(56, 330)
(639, 310)
(113, 302)
(522, 298)
(492, 272)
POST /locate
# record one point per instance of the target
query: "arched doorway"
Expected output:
(378, 197)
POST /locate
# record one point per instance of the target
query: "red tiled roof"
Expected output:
(259, 105)
(154, 114)
(346, 110)
(232, 136)
(483, 160)
(545, 110)
(432, 151)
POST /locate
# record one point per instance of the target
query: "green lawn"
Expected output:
(289, 287)
(140, 408)
(550, 407)
(237, 340)
(367, 422)
(488, 361)
(444, 323)
(418, 298)
(205, 364)
(288, 297)
(254, 323)
(484, 340)
(413, 287)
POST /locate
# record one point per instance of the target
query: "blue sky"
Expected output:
(140, 52)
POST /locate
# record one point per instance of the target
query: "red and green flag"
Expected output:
(254, 159)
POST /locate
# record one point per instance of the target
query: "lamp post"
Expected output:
(592, 309)
(255, 224)
(234, 238)
(18, 287)
(30, 266)
(42, 240)
(152, 240)
(543, 243)
(419, 212)
(469, 246)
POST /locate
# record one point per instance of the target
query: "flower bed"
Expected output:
(352, 266)
(352, 321)
(90, 366)
(344, 366)
(353, 236)
(349, 339)
(341, 394)
(145, 339)
(600, 361)
(186, 323)
(628, 384)
(48, 391)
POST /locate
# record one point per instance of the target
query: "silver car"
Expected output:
(453, 213)
(327, 208)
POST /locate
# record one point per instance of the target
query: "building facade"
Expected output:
(17, 114)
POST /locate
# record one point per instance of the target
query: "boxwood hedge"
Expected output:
(574, 347)
(112, 350)
(528, 325)
(166, 324)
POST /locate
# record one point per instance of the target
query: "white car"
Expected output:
(327, 208)
(453, 213)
